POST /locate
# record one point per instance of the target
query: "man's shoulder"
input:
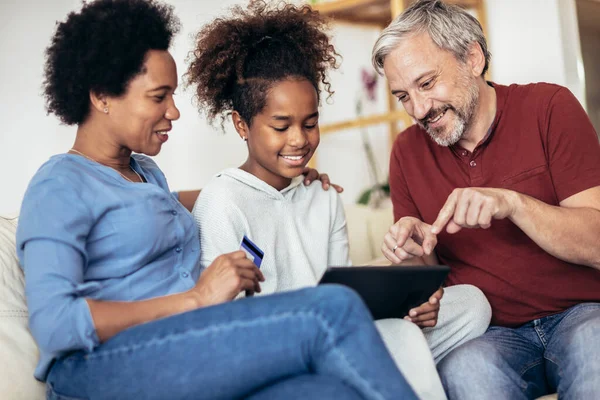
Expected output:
(539, 91)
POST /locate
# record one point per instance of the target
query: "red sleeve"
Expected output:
(404, 206)
(573, 147)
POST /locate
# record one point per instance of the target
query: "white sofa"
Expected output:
(18, 351)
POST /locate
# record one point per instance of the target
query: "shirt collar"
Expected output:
(501, 95)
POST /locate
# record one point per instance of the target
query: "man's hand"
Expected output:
(426, 315)
(313, 175)
(408, 238)
(474, 208)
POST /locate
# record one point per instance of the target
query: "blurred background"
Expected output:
(554, 41)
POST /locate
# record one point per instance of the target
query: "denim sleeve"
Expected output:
(59, 317)
(51, 243)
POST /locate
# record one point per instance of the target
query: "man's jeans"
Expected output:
(559, 353)
(305, 344)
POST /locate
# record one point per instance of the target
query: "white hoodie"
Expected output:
(301, 229)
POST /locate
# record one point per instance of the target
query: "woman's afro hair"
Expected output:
(100, 49)
(237, 59)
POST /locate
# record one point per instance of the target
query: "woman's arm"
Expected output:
(222, 281)
(63, 317)
(112, 317)
(188, 198)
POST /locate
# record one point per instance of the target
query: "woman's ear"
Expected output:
(240, 125)
(99, 102)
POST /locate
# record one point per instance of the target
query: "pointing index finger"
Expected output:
(445, 214)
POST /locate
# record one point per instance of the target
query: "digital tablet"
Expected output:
(389, 292)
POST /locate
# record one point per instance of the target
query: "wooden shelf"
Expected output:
(372, 12)
(368, 12)
(392, 116)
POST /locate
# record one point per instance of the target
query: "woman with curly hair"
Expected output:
(266, 66)
(118, 304)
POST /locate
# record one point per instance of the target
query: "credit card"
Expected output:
(252, 251)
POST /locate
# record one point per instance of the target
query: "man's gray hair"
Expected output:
(450, 27)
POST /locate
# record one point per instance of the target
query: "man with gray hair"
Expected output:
(502, 183)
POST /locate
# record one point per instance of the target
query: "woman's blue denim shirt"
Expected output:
(84, 231)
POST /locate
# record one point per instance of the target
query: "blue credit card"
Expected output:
(252, 251)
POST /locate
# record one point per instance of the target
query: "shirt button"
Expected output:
(178, 249)
(174, 212)
(465, 153)
(473, 163)
(185, 274)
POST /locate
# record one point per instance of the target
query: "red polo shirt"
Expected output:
(541, 144)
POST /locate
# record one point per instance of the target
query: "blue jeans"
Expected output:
(559, 353)
(292, 345)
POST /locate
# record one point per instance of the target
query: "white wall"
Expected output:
(525, 40)
(29, 137)
(535, 41)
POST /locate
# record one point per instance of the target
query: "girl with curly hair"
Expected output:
(265, 66)
(118, 304)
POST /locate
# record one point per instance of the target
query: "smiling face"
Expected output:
(140, 119)
(284, 135)
(439, 91)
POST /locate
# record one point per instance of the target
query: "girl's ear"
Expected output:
(240, 125)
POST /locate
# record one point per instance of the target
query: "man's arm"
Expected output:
(570, 232)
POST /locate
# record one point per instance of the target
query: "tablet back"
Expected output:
(389, 292)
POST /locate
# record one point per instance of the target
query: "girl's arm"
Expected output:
(339, 252)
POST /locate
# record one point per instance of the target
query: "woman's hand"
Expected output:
(225, 278)
(312, 175)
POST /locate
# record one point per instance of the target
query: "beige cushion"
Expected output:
(366, 229)
(18, 352)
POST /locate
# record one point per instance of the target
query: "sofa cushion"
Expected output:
(366, 228)
(18, 351)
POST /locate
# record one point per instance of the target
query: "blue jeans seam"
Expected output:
(528, 367)
(242, 324)
(541, 335)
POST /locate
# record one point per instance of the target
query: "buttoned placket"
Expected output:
(473, 161)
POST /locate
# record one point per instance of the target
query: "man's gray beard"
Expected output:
(453, 137)
(464, 118)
